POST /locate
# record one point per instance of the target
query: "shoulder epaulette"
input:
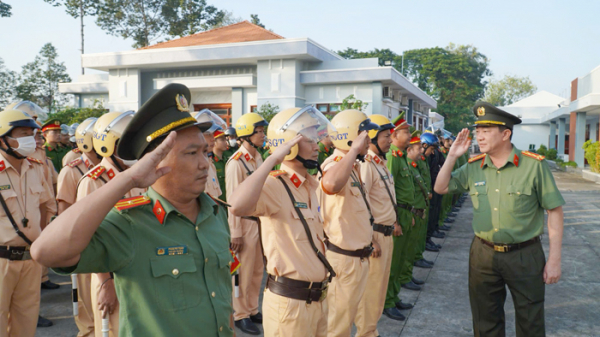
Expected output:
(422, 157)
(399, 153)
(368, 157)
(219, 201)
(237, 156)
(97, 172)
(476, 158)
(35, 160)
(76, 150)
(533, 155)
(337, 158)
(128, 203)
(75, 162)
(277, 173)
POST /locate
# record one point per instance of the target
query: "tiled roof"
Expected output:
(238, 32)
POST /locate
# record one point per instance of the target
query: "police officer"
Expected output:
(427, 139)
(250, 128)
(232, 142)
(107, 131)
(218, 160)
(510, 190)
(24, 191)
(379, 184)
(292, 230)
(347, 218)
(213, 188)
(168, 249)
(405, 195)
(436, 160)
(54, 149)
(325, 149)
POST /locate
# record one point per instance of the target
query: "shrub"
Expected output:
(592, 154)
(551, 154)
(542, 150)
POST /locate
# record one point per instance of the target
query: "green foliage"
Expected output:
(508, 90)
(592, 154)
(542, 150)
(268, 111)
(568, 163)
(352, 102)
(78, 115)
(39, 79)
(75, 8)
(5, 10)
(8, 80)
(551, 154)
(255, 20)
(228, 19)
(187, 17)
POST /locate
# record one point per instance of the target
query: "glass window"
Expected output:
(324, 108)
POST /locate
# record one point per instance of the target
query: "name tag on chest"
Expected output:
(4, 187)
(174, 250)
(480, 183)
(355, 184)
(298, 204)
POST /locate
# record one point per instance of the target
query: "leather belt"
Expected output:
(505, 248)
(252, 218)
(298, 290)
(19, 253)
(420, 212)
(362, 253)
(385, 230)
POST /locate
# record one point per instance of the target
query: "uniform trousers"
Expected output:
(370, 307)
(250, 273)
(85, 319)
(113, 320)
(408, 257)
(285, 316)
(398, 253)
(19, 297)
(422, 237)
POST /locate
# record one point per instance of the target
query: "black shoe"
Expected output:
(451, 215)
(448, 220)
(429, 241)
(247, 326)
(256, 318)
(417, 281)
(50, 285)
(44, 322)
(455, 209)
(444, 228)
(411, 286)
(422, 264)
(429, 262)
(431, 247)
(394, 314)
(438, 234)
(403, 306)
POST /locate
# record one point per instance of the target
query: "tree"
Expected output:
(78, 115)
(352, 102)
(8, 80)
(146, 21)
(5, 10)
(228, 19)
(508, 90)
(255, 20)
(39, 79)
(78, 9)
(268, 111)
(384, 56)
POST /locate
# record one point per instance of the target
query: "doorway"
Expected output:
(223, 110)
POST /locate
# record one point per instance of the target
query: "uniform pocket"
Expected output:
(520, 198)
(297, 229)
(479, 198)
(173, 277)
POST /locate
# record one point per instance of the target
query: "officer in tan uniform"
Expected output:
(347, 217)
(250, 129)
(206, 116)
(71, 155)
(292, 229)
(106, 133)
(379, 184)
(24, 191)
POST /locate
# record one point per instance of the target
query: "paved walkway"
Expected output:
(442, 307)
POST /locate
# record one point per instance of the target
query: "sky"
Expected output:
(551, 41)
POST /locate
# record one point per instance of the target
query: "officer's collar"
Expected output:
(247, 153)
(381, 160)
(514, 157)
(207, 205)
(298, 179)
(5, 164)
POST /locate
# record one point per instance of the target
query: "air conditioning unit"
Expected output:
(405, 100)
(386, 92)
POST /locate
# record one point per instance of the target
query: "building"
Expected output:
(236, 69)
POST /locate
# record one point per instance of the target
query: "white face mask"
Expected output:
(232, 143)
(26, 145)
(129, 163)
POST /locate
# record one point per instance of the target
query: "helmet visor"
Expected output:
(118, 125)
(205, 115)
(32, 109)
(310, 123)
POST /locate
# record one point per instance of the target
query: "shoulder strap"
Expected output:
(80, 171)
(12, 221)
(362, 192)
(246, 167)
(422, 188)
(307, 230)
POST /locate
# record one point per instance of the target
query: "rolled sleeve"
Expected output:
(269, 201)
(548, 194)
(459, 181)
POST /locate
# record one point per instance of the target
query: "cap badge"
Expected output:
(182, 103)
(481, 111)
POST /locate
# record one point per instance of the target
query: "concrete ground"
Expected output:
(442, 307)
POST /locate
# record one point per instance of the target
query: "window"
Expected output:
(223, 110)
(335, 107)
(253, 108)
(324, 108)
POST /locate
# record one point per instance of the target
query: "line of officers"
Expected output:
(339, 224)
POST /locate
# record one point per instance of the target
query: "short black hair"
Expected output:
(504, 127)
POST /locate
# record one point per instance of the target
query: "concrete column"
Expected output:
(409, 112)
(237, 103)
(561, 135)
(579, 138)
(377, 99)
(594, 131)
(552, 144)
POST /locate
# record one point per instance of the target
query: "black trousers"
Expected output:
(490, 272)
(434, 213)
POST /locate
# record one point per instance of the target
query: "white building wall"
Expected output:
(526, 134)
(88, 100)
(211, 97)
(333, 94)
(278, 83)
(124, 91)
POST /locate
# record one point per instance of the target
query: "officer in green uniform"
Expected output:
(231, 137)
(218, 159)
(168, 249)
(325, 149)
(425, 173)
(55, 151)
(510, 190)
(405, 198)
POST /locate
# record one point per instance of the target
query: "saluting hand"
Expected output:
(461, 144)
(146, 171)
(360, 143)
(279, 154)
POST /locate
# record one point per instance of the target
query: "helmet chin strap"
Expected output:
(116, 162)
(309, 164)
(247, 139)
(9, 151)
(379, 152)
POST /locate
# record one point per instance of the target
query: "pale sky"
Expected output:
(551, 41)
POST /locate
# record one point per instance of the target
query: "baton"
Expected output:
(105, 328)
(236, 279)
(74, 295)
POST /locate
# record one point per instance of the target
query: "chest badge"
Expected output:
(480, 183)
(173, 250)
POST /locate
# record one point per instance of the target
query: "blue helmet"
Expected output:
(429, 139)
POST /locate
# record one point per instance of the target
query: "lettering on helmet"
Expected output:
(99, 136)
(275, 142)
(339, 136)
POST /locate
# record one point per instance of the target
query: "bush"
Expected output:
(551, 154)
(592, 154)
(542, 150)
(78, 115)
(564, 164)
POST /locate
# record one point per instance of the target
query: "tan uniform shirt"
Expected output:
(70, 156)
(69, 176)
(286, 245)
(345, 214)
(23, 193)
(212, 182)
(100, 175)
(235, 174)
(382, 206)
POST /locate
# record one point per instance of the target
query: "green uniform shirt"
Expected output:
(172, 279)
(229, 153)
(220, 166)
(421, 200)
(403, 180)
(324, 153)
(423, 167)
(56, 154)
(508, 202)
